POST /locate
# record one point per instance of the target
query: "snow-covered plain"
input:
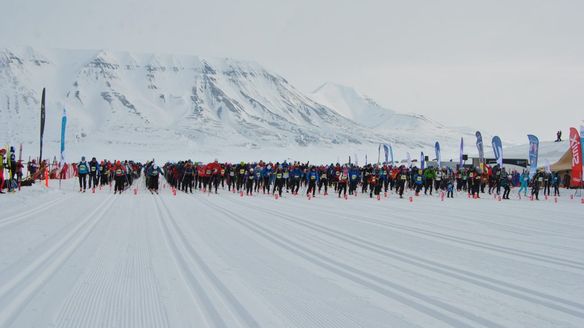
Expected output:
(98, 260)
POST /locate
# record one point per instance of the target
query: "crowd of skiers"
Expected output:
(373, 179)
(272, 178)
(95, 174)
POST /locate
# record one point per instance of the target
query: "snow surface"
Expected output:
(98, 260)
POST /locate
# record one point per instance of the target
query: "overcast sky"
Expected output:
(509, 67)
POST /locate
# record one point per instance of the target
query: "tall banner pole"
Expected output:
(42, 126)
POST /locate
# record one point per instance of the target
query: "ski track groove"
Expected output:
(177, 242)
(47, 264)
(28, 214)
(98, 297)
(308, 316)
(452, 272)
(469, 242)
(90, 308)
(375, 283)
(236, 307)
(513, 229)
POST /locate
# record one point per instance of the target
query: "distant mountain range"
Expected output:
(126, 104)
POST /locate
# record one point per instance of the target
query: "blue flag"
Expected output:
(533, 152)
(422, 161)
(391, 153)
(438, 157)
(63, 129)
(498, 150)
(386, 152)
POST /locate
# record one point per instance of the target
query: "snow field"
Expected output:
(96, 260)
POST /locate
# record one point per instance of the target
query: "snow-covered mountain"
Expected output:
(127, 104)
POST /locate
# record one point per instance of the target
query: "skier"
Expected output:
(248, 181)
(450, 188)
(279, 181)
(119, 177)
(82, 171)
(429, 176)
(354, 175)
(505, 183)
(188, 176)
(402, 180)
(2, 153)
(343, 178)
(556, 183)
(312, 179)
(537, 183)
(267, 175)
(547, 183)
(153, 174)
(93, 172)
(374, 184)
(523, 183)
(323, 181)
(419, 180)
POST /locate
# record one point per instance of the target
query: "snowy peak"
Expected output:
(349, 103)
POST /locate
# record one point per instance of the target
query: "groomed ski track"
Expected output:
(69, 259)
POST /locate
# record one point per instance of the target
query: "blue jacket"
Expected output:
(83, 167)
(354, 175)
(312, 176)
(296, 173)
